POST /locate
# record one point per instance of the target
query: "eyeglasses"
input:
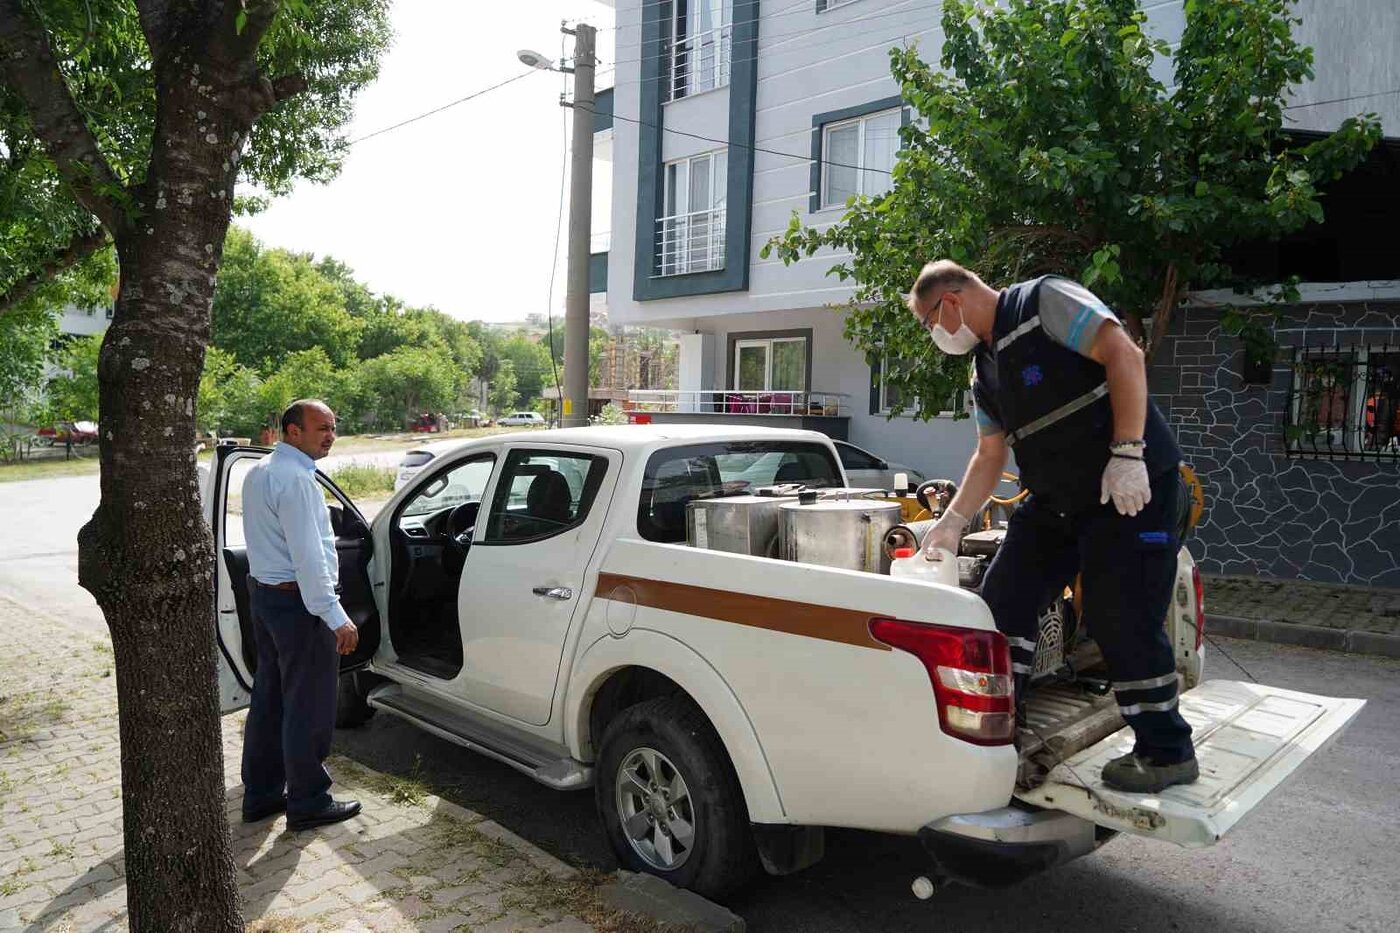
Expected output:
(932, 316)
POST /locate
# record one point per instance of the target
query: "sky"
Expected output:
(457, 210)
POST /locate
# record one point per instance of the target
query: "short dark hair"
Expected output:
(937, 274)
(296, 412)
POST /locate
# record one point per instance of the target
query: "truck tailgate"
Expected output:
(1249, 738)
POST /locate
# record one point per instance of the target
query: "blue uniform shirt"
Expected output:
(288, 531)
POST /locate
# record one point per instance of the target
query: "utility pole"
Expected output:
(576, 318)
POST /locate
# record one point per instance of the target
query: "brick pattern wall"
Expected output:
(1269, 514)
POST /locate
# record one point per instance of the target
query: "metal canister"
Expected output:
(740, 524)
(847, 533)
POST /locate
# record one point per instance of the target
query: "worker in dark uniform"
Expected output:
(1059, 381)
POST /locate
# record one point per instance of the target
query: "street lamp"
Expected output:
(532, 59)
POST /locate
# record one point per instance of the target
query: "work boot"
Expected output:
(1137, 774)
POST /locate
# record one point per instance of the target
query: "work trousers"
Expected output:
(288, 733)
(1128, 565)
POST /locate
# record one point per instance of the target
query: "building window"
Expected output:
(824, 5)
(690, 234)
(701, 37)
(777, 364)
(1345, 404)
(858, 156)
(886, 398)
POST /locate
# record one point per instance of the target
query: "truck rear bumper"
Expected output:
(1002, 847)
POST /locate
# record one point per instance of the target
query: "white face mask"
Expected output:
(955, 344)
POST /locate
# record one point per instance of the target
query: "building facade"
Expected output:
(729, 115)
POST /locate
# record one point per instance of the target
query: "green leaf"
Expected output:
(240, 21)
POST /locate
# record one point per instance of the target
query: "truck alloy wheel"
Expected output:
(654, 805)
(669, 800)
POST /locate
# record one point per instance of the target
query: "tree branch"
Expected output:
(27, 65)
(75, 252)
(288, 86)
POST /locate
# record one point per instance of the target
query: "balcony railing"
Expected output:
(700, 62)
(734, 402)
(691, 242)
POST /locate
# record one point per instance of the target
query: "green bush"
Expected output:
(364, 479)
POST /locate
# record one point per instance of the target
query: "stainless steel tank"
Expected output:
(739, 524)
(846, 533)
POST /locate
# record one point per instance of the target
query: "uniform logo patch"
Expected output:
(1153, 537)
(1032, 376)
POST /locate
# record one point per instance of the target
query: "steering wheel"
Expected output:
(461, 522)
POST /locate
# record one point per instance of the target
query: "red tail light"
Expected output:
(1200, 605)
(971, 675)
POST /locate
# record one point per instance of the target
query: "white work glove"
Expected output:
(946, 535)
(1125, 482)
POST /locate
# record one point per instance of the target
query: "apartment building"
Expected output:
(726, 117)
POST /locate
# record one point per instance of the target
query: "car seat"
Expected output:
(549, 499)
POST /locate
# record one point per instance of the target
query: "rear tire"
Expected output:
(669, 799)
(352, 709)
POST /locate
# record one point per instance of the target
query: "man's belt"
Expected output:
(290, 585)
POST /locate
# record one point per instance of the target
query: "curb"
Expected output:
(652, 897)
(1305, 636)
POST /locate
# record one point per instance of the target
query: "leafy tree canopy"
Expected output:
(1045, 144)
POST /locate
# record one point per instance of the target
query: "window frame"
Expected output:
(1357, 359)
(879, 395)
(740, 343)
(724, 67)
(825, 6)
(863, 171)
(501, 487)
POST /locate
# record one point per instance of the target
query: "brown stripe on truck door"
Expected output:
(847, 626)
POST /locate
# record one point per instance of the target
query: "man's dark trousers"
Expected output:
(1129, 571)
(289, 727)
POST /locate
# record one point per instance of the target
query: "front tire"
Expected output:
(669, 799)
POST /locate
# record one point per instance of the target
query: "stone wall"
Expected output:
(1269, 513)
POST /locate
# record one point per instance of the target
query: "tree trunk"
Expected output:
(147, 555)
(1162, 316)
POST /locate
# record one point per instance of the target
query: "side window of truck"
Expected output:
(541, 494)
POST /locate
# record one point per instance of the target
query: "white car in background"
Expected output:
(868, 471)
(419, 457)
(523, 419)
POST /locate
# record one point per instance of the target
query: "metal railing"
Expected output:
(1344, 403)
(778, 402)
(700, 62)
(691, 242)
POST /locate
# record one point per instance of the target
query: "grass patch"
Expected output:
(10, 886)
(362, 479)
(47, 469)
(23, 714)
(580, 896)
(278, 925)
(408, 790)
(62, 850)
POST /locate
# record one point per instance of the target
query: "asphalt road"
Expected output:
(1322, 854)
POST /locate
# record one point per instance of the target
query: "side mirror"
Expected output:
(884, 465)
(345, 524)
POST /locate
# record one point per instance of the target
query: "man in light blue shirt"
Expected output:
(299, 627)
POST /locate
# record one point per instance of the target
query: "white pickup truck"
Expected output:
(536, 598)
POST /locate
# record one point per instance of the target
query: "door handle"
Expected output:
(554, 592)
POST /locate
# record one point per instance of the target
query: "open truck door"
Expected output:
(233, 617)
(1249, 739)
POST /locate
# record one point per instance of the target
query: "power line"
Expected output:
(1342, 100)
(446, 106)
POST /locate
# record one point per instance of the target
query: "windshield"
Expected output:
(677, 475)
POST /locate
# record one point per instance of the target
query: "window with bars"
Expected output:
(701, 43)
(690, 234)
(1344, 403)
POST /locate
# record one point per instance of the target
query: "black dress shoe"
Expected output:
(262, 811)
(337, 811)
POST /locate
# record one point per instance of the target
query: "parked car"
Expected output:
(866, 469)
(532, 597)
(523, 419)
(417, 458)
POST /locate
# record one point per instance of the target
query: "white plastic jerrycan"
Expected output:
(912, 564)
